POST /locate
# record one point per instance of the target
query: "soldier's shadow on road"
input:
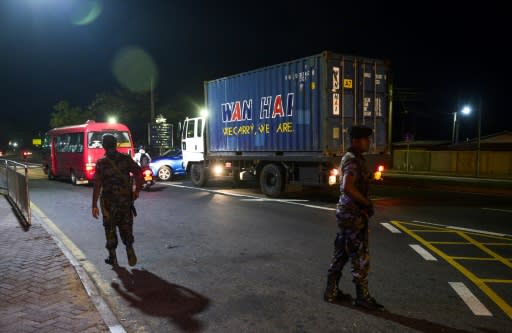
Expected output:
(420, 325)
(157, 297)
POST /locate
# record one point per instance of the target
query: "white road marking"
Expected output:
(311, 206)
(255, 198)
(422, 252)
(499, 210)
(480, 231)
(379, 198)
(391, 228)
(213, 191)
(470, 299)
(275, 200)
(429, 223)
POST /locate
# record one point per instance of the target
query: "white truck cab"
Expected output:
(192, 140)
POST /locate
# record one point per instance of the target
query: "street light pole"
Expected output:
(478, 139)
(453, 131)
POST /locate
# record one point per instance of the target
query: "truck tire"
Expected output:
(198, 174)
(236, 177)
(272, 180)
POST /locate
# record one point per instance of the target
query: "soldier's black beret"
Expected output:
(358, 132)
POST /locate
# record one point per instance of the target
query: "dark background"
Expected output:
(443, 54)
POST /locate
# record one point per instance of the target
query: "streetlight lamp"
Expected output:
(466, 110)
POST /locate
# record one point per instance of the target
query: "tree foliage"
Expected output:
(132, 109)
(65, 115)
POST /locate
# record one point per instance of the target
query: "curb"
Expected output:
(61, 240)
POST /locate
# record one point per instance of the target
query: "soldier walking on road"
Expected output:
(112, 179)
(352, 216)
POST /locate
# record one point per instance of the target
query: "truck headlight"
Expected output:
(218, 170)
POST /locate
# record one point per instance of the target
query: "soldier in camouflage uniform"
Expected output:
(112, 179)
(352, 214)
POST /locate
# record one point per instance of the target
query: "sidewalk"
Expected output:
(39, 289)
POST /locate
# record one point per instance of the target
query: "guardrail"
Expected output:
(14, 182)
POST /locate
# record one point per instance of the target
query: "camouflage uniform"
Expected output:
(352, 238)
(113, 173)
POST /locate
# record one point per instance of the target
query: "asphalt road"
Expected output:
(229, 260)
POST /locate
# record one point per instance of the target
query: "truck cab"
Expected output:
(192, 141)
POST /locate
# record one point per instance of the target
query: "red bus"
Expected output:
(71, 152)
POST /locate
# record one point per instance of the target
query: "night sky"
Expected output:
(446, 56)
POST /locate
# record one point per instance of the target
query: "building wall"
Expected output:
(493, 164)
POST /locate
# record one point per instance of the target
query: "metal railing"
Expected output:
(14, 183)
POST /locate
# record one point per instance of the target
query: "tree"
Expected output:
(129, 108)
(65, 115)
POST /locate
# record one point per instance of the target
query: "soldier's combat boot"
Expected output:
(132, 258)
(332, 294)
(112, 258)
(364, 299)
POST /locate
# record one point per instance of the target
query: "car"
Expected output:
(168, 165)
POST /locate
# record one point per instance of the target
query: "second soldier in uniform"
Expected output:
(352, 216)
(112, 181)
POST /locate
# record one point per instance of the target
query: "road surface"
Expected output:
(229, 260)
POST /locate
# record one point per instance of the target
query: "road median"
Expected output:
(487, 186)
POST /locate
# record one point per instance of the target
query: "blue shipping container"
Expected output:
(299, 107)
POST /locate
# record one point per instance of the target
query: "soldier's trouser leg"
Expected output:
(339, 259)
(360, 259)
(357, 244)
(125, 226)
(126, 232)
(109, 225)
(110, 233)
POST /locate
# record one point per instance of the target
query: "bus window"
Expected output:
(46, 143)
(76, 144)
(94, 139)
(63, 143)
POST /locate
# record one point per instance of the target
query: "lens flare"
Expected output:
(86, 11)
(135, 69)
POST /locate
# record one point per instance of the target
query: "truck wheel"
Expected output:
(272, 180)
(236, 177)
(198, 174)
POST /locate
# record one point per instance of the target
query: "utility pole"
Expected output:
(454, 124)
(152, 102)
(390, 117)
(152, 111)
(479, 135)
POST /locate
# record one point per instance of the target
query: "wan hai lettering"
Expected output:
(270, 107)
